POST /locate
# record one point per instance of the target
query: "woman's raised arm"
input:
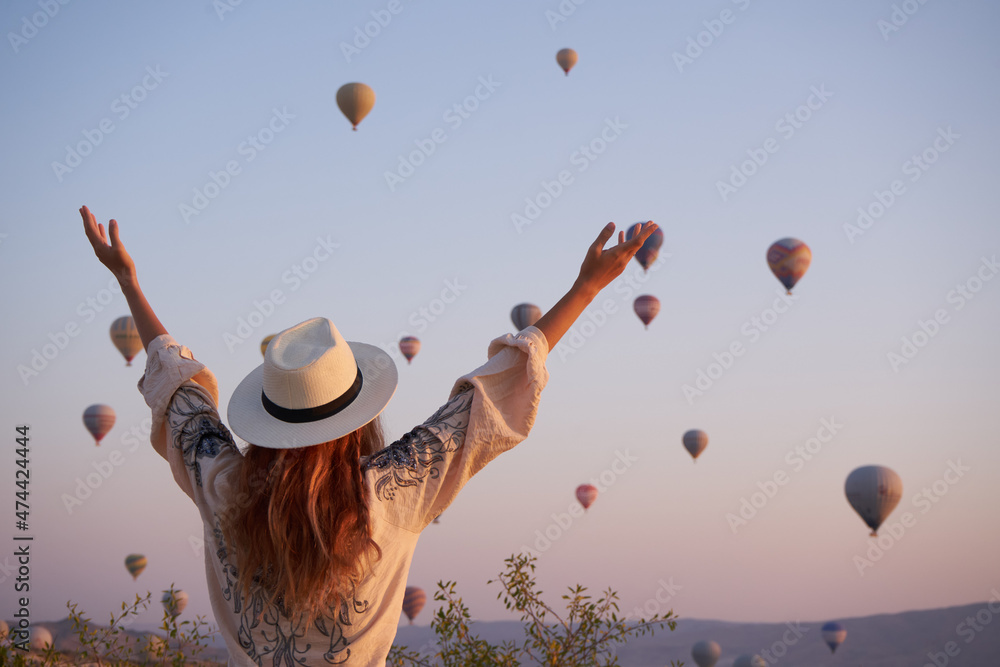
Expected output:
(118, 261)
(600, 267)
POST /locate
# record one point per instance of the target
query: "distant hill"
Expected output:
(885, 640)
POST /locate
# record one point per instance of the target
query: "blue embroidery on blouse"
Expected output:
(198, 431)
(414, 457)
(268, 632)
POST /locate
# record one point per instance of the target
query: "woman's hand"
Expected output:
(112, 255)
(599, 268)
(601, 265)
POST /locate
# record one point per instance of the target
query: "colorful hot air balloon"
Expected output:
(789, 259)
(695, 441)
(99, 419)
(525, 315)
(646, 307)
(135, 563)
(126, 338)
(174, 601)
(747, 660)
(263, 344)
(414, 600)
(355, 101)
(650, 249)
(834, 635)
(706, 653)
(40, 638)
(586, 494)
(409, 346)
(873, 491)
(566, 59)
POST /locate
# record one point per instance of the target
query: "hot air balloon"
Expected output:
(695, 441)
(747, 660)
(586, 494)
(873, 491)
(566, 59)
(706, 653)
(355, 101)
(98, 419)
(135, 563)
(525, 315)
(834, 635)
(4, 630)
(650, 249)
(263, 344)
(409, 346)
(40, 638)
(126, 338)
(789, 258)
(154, 649)
(174, 601)
(413, 601)
(646, 307)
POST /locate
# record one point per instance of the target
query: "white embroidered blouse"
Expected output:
(410, 482)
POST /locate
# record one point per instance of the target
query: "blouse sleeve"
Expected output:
(187, 431)
(490, 410)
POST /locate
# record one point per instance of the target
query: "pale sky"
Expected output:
(843, 106)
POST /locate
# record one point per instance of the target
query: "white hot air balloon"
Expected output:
(747, 660)
(174, 601)
(41, 638)
(706, 653)
(873, 491)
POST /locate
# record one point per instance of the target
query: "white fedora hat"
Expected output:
(313, 387)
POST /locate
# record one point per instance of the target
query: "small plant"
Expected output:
(112, 645)
(588, 635)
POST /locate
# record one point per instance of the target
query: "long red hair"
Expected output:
(300, 527)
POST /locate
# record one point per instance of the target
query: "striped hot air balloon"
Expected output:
(409, 346)
(126, 338)
(646, 307)
(355, 101)
(873, 491)
(586, 494)
(650, 250)
(695, 441)
(414, 600)
(135, 563)
(525, 315)
(789, 259)
(706, 653)
(834, 635)
(567, 59)
(99, 419)
(174, 601)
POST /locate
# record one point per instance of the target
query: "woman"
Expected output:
(321, 514)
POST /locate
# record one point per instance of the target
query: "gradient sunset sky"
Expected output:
(885, 108)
